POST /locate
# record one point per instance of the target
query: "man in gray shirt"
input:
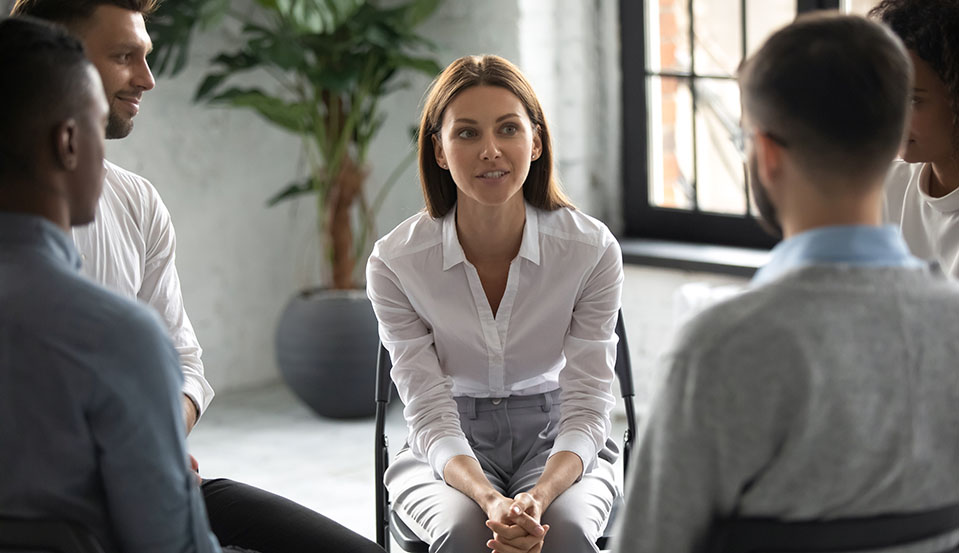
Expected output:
(90, 413)
(830, 390)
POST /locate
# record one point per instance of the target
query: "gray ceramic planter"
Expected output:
(326, 348)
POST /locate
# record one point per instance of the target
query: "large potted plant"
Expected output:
(331, 62)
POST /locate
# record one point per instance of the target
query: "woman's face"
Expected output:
(487, 142)
(931, 123)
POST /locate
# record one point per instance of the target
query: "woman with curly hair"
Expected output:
(922, 190)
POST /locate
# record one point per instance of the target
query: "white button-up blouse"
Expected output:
(555, 327)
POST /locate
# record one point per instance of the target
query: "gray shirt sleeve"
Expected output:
(152, 497)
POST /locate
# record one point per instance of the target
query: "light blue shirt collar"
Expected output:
(35, 232)
(857, 245)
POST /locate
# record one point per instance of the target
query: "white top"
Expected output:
(929, 225)
(555, 327)
(130, 248)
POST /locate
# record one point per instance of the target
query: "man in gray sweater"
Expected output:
(830, 389)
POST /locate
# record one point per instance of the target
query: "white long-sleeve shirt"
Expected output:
(929, 225)
(554, 327)
(130, 248)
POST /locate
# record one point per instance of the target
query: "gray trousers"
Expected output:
(511, 438)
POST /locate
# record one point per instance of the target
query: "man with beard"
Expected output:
(829, 389)
(90, 408)
(130, 249)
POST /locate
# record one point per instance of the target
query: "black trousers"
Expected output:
(251, 518)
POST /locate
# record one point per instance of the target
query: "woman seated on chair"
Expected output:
(498, 306)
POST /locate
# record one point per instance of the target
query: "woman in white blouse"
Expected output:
(498, 305)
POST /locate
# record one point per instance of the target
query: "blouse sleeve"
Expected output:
(435, 435)
(590, 349)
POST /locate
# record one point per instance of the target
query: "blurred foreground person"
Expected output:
(90, 417)
(830, 389)
(131, 249)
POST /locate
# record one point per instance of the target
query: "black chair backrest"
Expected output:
(50, 536)
(383, 383)
(757, 535)
(382, 460)
(624, 373)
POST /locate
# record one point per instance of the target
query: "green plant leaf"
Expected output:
(213, 12)
(334, 59)
(292, 190)
(292, 116)
(230, 64)
(427, 66)
(316, 16)
(210, 82)
(282, 6)
(172, 27)
(334, 78)
(287, 54)
(418, 11)
(237, 61)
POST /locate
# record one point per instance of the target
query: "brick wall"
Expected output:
(569, 49)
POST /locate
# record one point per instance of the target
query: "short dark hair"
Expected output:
(72, 13)
(41, 65)
(930, 28)
(541, 188)
(835, 89)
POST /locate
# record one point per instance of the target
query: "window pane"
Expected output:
(718, 36)
(721, 184)
(860, 7)
(765, 16)
(667, 35)
(710, 176)
(670, 142)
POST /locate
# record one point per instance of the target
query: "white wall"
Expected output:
(239, 261)
(651, 311)
(569, 49)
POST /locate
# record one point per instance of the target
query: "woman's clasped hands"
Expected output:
(516, 524)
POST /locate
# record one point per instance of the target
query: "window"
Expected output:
(858, 7)
(684, 179)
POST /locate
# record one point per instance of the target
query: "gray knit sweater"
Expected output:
(830, 392)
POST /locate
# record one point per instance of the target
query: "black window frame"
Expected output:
(641, 218)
